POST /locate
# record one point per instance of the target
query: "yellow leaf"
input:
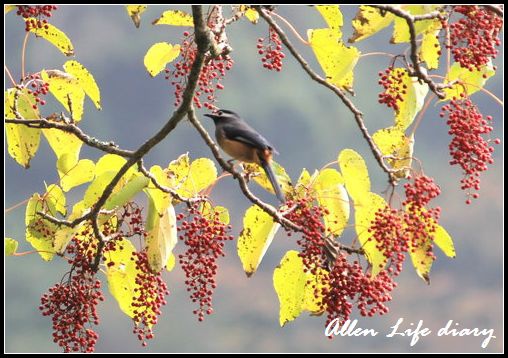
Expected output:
(355, 173)
(8, 8)
(336, 59)
(10, 246)
(202, 173)
(289, 281)
(161, 200)
(212, 213)
(132, 186)
(444, 241)
(257, 235)
(109, 162)
(55, 36)
(178, 170)
(469, 82)
(22, 141)
(55, 198)
(174, 18)
(161, 239)
(63, 236)
(73, 174)
(430, 49)
(170, 264)
(252, 15)
(331, 195)
(39, 232)
(365, 211)
(259, 176)
(393, 142)
(422, 262)
(332, 16)
(63, 143)
(134, 12)
(97, 186)
(66, 89)
(313, 300)
(159, 55)
(303, 183)
(400, 28)
(369, 21)
(85, 80)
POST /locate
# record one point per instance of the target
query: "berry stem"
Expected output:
(291, 27)
(23, 53)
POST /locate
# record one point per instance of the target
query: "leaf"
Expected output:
(39, 232)
(55, 36)
(96, 187)
(170, 264)
(331, 195)
(159, 55)
(444, 241)
(134, 12)
(202, 173)
(74, 174)
(66, 89)
(134, 186)
(260, 177)
(400, 28)
(336, 59)
(252, 15)
(332, 16)
(63, 236)
(174, 18)
(365, 211)
(63, 143)
(430, 49)
(255, 238)
(178, 170)
(8, 8)
(422, 262)
(161, 200)
(393, 142)
(121, 274)
(55, 198)
(369, 21)
(161, 239)
(10, 246)
(469, 82)
(22, 141)
(109, 162)
(355, 174)
(303, 185)
(85, 80)
(211, 213)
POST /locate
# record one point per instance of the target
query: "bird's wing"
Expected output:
(246, 135)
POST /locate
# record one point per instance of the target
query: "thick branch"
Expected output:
(358, 115)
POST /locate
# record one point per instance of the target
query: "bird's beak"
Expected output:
(212, 116)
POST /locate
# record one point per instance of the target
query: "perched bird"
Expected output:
(244, 143)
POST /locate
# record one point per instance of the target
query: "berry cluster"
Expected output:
(34, 15)
(272, 51)
(36, 87)
(473, 39)
(149, 296)
(72, 303)
(210, 77)
(392, 80)
(348, 284)
(204, 238)
(468, 148)
(312, 242)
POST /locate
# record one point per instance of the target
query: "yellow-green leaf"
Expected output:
(55, 198)
(85, 80)
(260, 177)
(63, 236)
(133, 186)
(22, 141)
(335, 58)
(159, 55)
(174, 18)
(355, 173)
(468, 82)
(211, 213)
(161, 239)
(392, 142)
(444, 241)
(55, 36)
(96, 187)
(73, 174)
(63, 143)
(365, 211)
(331, 195)
(430, 49)
(332, 16)
(39, 232)
(400, 28)
(202, 173)
(109, 162)
(257, 235)
(369, 21)
(303, 184)
(160, 199)
(10, 246)
(66, 89)
(135, 12)
(252, 15)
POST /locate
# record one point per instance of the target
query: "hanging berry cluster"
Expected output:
(271, 51)
(72, 303)
(392, 81)
(35, 15)
(474, 38)
(204, 238)
(468, 147)
(36, 87)
(210, 77)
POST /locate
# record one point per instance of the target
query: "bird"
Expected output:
(244, 143)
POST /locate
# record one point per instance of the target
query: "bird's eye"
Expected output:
(220, 113)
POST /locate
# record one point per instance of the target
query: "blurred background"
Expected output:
(309, 126)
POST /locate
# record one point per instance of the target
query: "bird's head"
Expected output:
(223, 115)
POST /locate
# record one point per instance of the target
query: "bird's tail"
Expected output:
(273, 180)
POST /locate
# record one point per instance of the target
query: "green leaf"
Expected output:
(66, 89)
(355, 173)
(255, 238)
(369, 21)
(39, 231)
(174, 18)
(162, 238)
(55, 198)
(10, 246)
(74, 174)
(22, 141)
(134, 186)
(159, 55)
(85, 80)
(135, 12)
(55, 36)
(331, 195)
(469, 82)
